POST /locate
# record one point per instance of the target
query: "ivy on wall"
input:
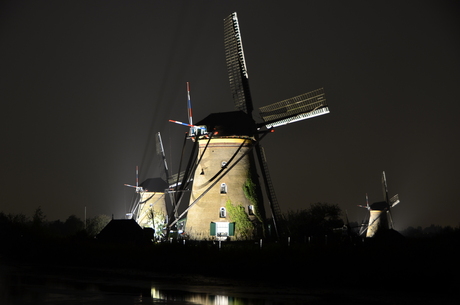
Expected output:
(243, 225)
(157, 221)
(249, 189)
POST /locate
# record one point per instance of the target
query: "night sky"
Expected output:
(86, 85)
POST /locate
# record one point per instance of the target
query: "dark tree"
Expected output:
(73, 225)
(38, 219)
(96, 224)
(318, 220)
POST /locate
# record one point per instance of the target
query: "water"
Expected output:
(20, 286)
(24, 286)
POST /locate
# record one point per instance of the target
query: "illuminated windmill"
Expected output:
(226, 199)
(150, 209)
(380, 212)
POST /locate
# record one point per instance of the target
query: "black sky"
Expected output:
(85, 86)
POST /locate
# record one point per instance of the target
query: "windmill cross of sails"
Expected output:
(227, 159)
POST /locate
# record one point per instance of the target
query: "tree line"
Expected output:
(21, 226)
(433, 231)
(316, 221)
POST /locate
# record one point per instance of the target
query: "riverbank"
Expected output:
(77, 285)
(352, 274)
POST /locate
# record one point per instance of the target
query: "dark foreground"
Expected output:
(406, 272)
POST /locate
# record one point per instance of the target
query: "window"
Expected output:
(223, 188)
(222, 229)
(222, 212)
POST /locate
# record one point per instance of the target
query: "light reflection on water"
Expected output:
(200, 298)
(18, 288)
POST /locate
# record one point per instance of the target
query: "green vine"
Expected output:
(243, 225)
(249, 189)
(157, 221)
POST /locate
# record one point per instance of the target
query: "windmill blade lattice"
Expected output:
(298, 108)
(236, 65)
(394, 201)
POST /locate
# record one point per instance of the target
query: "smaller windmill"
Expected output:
(149, 207)
(153, 211)
(380, 218)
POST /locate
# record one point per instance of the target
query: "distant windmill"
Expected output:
(149, 209)
(153, 211)
(380, 212)
(226, 199)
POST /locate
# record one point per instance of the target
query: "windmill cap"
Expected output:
(379, 206)
(154, 185)
(233, 123)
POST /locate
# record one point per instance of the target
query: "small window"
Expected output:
(222, 212)
(223, 188)
(251, 210)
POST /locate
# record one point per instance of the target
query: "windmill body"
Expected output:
(378, 219)
(226, 200)
(152, 203)
(150, 209)
(211, 216)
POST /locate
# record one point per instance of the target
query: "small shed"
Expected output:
(124, 230)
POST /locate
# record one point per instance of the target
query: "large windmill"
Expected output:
(226, 198)
(380, 212)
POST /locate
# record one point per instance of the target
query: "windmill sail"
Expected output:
(394, 201)
(301, 107)
(273, 201)
(161, 151)
(236, 65)
(385, 188)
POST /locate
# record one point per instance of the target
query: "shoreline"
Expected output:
(275, 291)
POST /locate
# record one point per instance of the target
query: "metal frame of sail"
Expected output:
(295, 109)
(236, 65)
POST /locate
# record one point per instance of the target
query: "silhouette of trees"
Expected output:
(433, 231)
(96, 224)
(14, 226)
(38, 219)
(319, 219)
(72, 225)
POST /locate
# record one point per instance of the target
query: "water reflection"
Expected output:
(203, 298)
(18, 287)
